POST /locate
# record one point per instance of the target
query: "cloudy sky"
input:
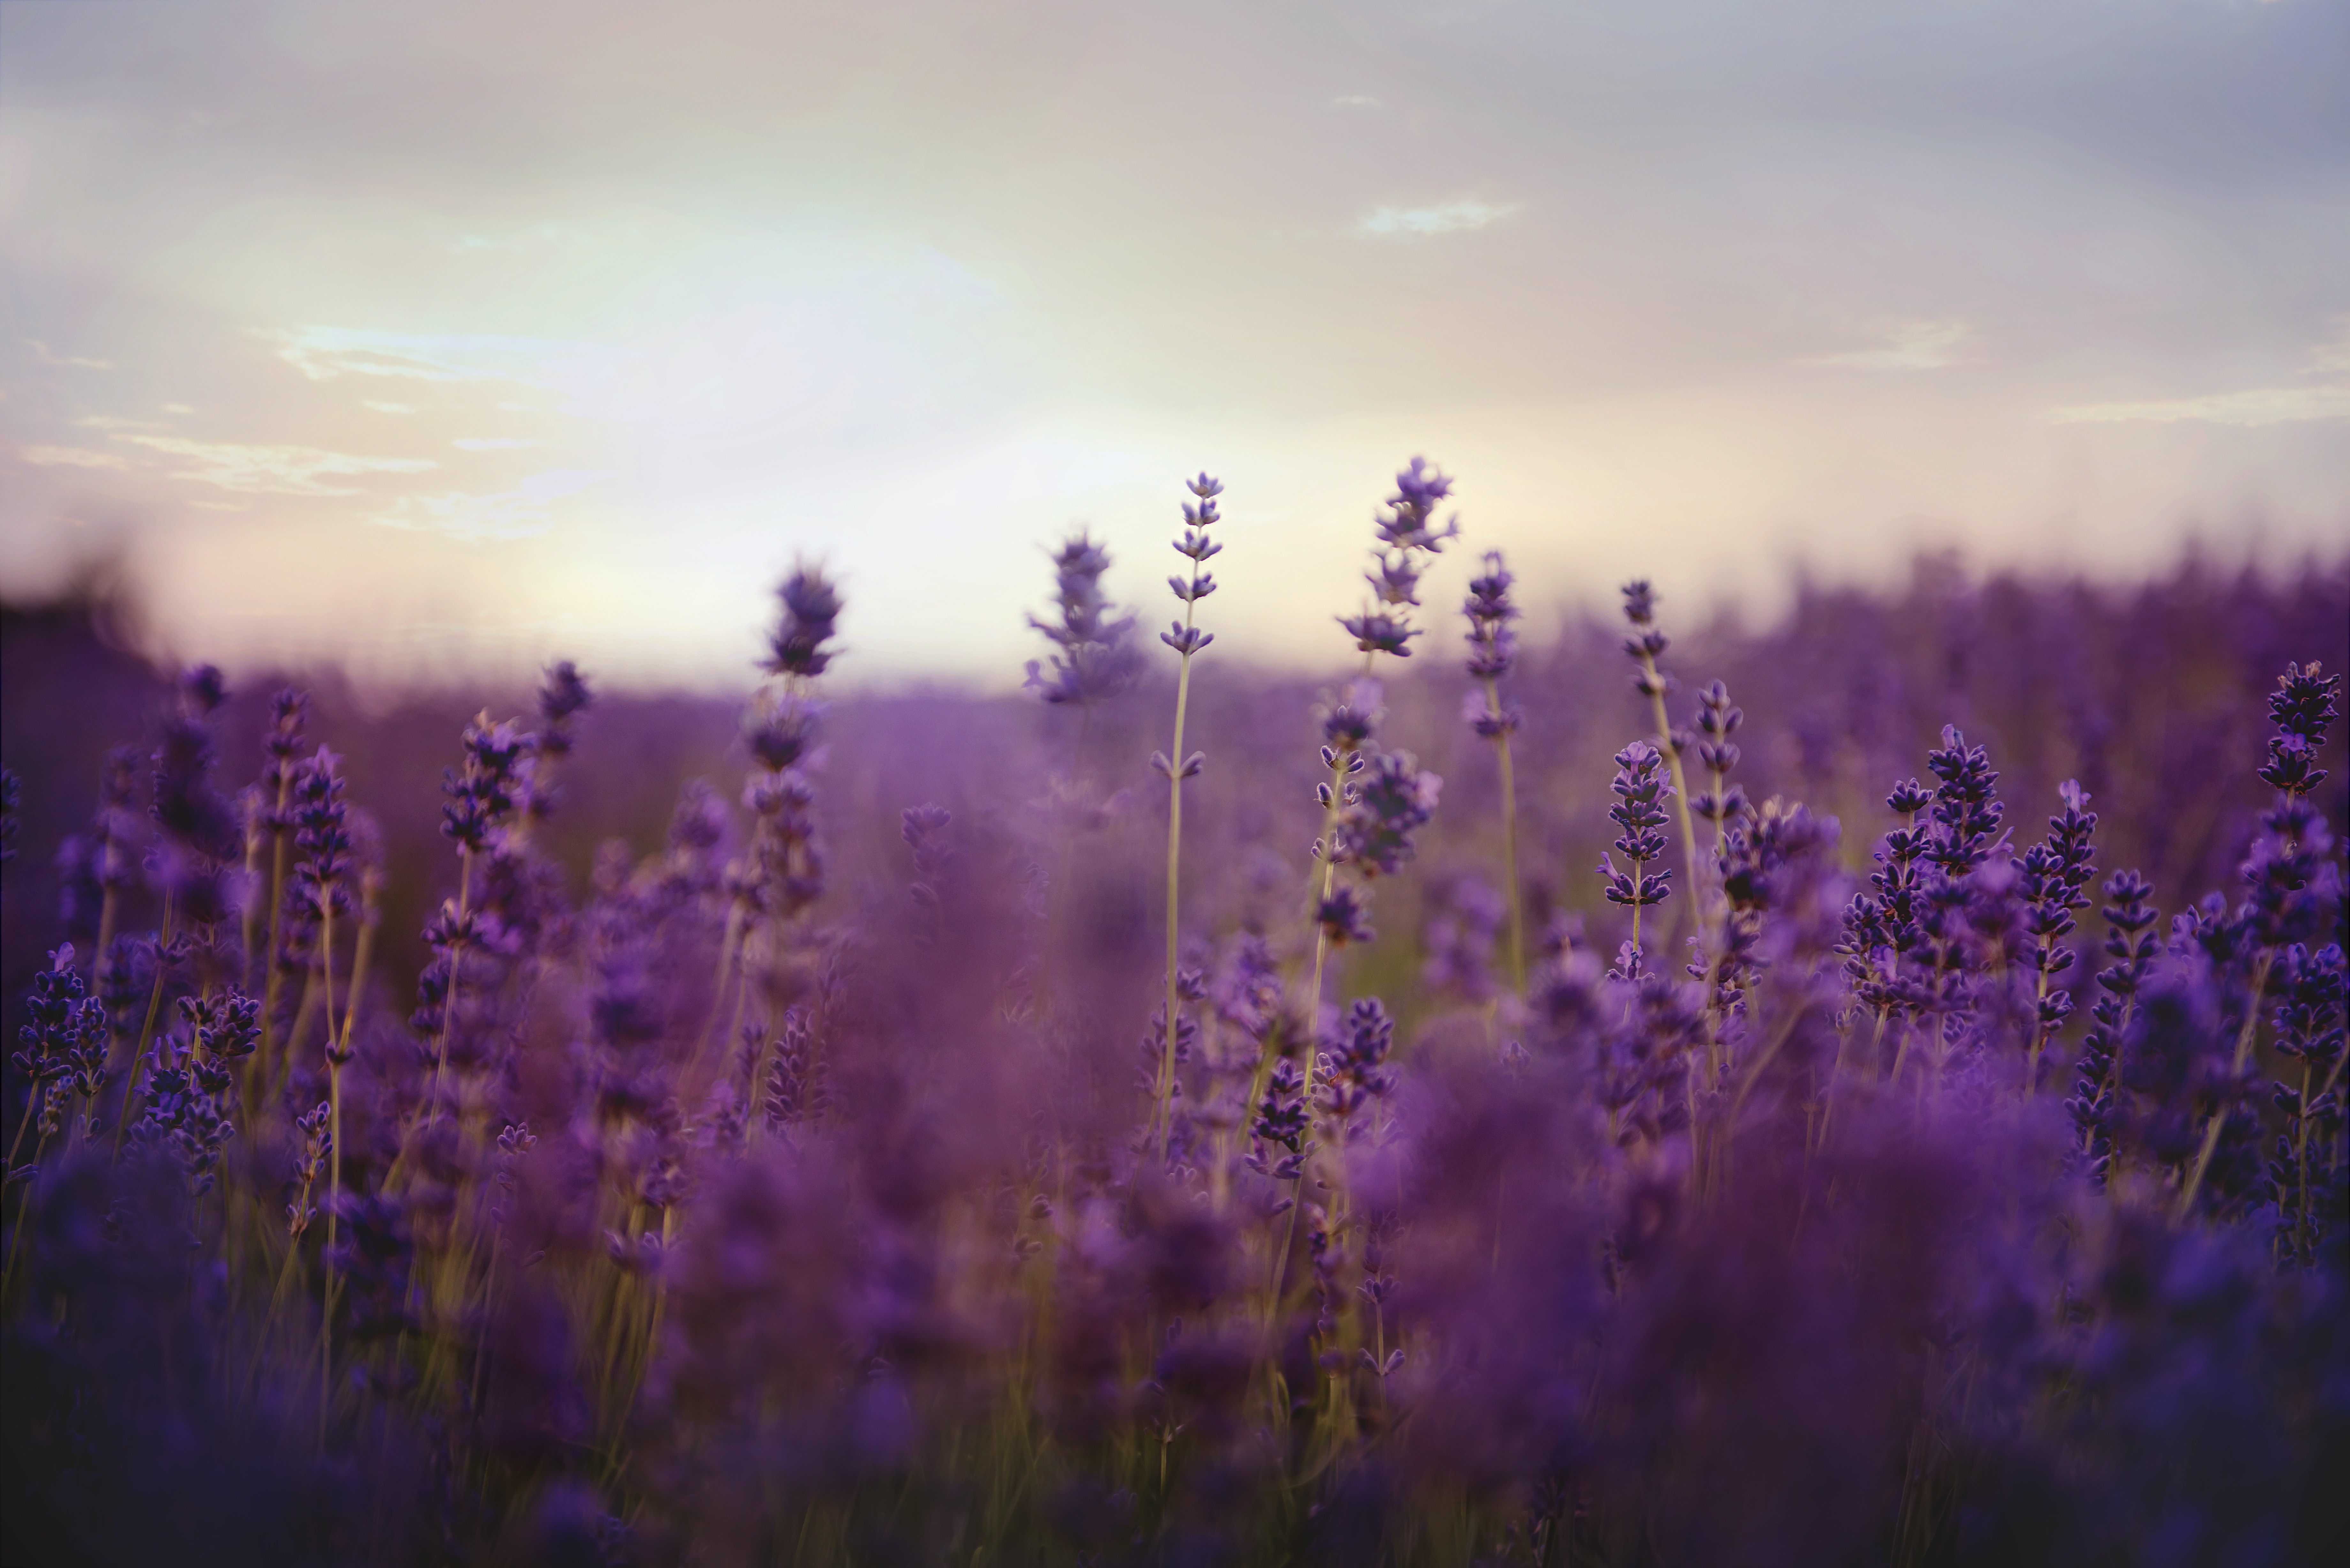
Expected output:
(451, 336)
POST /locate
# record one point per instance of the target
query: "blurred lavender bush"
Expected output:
(618, 1130)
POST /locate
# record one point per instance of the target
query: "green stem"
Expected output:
(146, 1031)
(2039, 1024)
(1508, 847)
(1165, 1107)
(271, 978)
(2244, 1038)
(456, 970)
(1656, 685)
(24, 1125)
(729, 949)
(24, 1222)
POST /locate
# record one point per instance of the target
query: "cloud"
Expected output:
(389, 407)
(2248, 408)
(325, 353)
(1355, 100)
(492, 444)
(1450, 218)
(512, 514)
(49, 356)
(70, 457)
(2257, 406)
(274, 470)
(2332, 355)
(108, 422)
(1908, 346)
(178, 409)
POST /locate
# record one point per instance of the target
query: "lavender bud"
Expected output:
(811, 606)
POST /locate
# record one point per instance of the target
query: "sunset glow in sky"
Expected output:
(456, 336)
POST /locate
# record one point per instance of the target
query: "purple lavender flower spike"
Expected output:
(562, 695)
(1343, 917)
(1376, 631)
(1092, 660)
(1640, 793)
(1392, 801)
(1717, 720)
(812, 607)
(1176, 766)
(2050, 878)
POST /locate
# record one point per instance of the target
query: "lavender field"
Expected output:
(1864, 1089)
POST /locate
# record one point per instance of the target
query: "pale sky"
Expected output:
(456, 337)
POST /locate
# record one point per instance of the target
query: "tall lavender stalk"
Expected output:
(1092, 659)
(1964, 816)
(1408, 531)
(1640, 791)
(2130, 943)
(196, 838)
(1354, 820)
(1186, 639)
(289, 711)
(2283, 864)
(1492, 652)
(2051, 876)
(1644, 646)
(483, 794)
(781, 873)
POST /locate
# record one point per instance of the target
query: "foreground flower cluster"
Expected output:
(1956, 1197)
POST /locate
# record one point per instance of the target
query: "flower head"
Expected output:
(1392, 800)
(811, 608)
(1092, 660)
(1492, 646)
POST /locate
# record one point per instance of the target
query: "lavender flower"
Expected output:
(2051, 876)
(563, 696)
(2303, 1171)
(1281, 1124)
(2297, 887)
(1492, 646)
(1092, 660)
(1356, 1072)
(1950, 909)
(322, 834)
(2131, 944)
(1407, 531)
(64, 1042)
(811, 612)
(1717, 720)
(1493, 650)
(1965, 810)
(1410, 523)
(1377, 631)
(1343, 917)
(1176, 766)
(781, 733)
(2302, 706)
(1647, 644)
(484, 792)
(1393, 799)
(1640, 793)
